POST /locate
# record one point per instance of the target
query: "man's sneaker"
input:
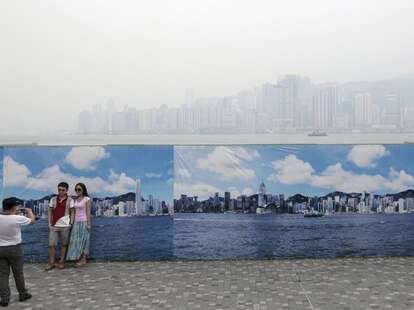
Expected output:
(24, 296)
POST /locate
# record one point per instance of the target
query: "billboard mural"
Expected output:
(130, 187)
(225, 202)
(293, 201)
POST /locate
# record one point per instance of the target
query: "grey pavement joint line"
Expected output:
(303, 290)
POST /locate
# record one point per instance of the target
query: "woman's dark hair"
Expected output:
(9, 203)
(84, 190)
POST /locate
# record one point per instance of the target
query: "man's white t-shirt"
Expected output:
(10, 229)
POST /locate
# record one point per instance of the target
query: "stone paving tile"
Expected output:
(357, 283)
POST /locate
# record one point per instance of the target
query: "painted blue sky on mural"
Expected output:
(32, 172)
(292, 169)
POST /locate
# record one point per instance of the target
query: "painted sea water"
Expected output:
(238, 236)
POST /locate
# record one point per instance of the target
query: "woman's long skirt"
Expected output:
(79, 241)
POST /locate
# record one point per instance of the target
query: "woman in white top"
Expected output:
(11, 255)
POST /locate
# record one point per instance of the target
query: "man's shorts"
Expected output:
(59, 233)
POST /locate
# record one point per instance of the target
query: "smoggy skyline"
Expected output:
(58, 59)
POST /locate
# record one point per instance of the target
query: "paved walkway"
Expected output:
(374, 283)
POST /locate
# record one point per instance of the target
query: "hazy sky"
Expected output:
(58, 57)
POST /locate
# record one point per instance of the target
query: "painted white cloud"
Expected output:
(48, 179)
(15, 174)
(228, 163)
(86, 157)
(182, 172)
(246, 154)
(336, 177)
(199, 189)
(119, 183)
(366, 155)
(152, 175)
(18, 175)
(292, 170)
(400, 180)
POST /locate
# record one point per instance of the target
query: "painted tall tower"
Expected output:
(139, 207)
(262, 193)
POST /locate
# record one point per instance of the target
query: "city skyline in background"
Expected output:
(293, 103)
(58, 59)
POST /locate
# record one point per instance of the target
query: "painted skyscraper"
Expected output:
(262, 193)
(138, 199)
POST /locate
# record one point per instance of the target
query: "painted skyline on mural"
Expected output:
(34, 172)
(362, 184)
(311, 170)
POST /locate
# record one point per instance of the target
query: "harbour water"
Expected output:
(238, 236)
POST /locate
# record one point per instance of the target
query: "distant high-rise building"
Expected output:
(98, 120)
(119, 122)
(324, 105)
(110, 109)
(269, 98)
(292, 85)
(392, 110)
(84, 122)
(276, 106)
(246, 100)
(363, 110)
(131, 120)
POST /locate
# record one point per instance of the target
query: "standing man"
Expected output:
(61, 209)
(11, 255)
